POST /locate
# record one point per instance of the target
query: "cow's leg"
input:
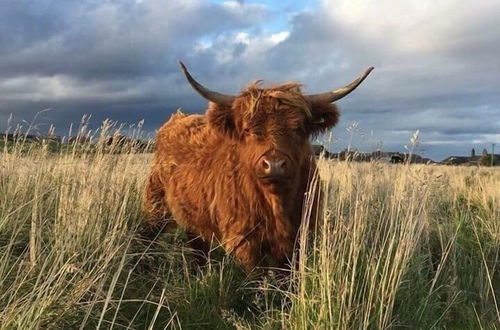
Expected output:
(201, 248)
(248, 254)
(157, 214)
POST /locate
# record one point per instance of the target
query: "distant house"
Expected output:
(380, 156)
(398, 157)
(470, 161)
(459, 160)
(484, 159)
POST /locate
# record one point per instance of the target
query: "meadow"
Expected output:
(397, 247)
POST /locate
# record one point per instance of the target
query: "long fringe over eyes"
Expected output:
(288, 93)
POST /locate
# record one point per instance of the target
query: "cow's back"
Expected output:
(178, 137)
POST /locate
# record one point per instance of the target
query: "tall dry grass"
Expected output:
(396, 246)
(401, 246)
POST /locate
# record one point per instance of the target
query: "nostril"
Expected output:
(265, 164)
(273, 166)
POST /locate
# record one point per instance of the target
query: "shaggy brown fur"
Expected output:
(205, 172)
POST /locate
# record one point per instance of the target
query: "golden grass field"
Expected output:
(398, 247)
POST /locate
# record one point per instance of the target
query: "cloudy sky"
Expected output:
(437, 63)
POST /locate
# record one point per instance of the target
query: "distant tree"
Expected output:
(485, 152)
(473, 153)
(485, 159)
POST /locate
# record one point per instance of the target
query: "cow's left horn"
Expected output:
(337, 94)
(212, 96)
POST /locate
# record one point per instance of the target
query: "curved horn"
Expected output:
(212, 96)
(337, 94)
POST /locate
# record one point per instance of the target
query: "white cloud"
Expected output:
(276, 38)
(242, 46)
(410, 26)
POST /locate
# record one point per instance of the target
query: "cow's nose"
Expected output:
(273, 167)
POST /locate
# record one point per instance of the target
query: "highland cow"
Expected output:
(239, 173)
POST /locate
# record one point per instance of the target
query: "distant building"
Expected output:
(471, 160)
(379, 155)
(459, 160)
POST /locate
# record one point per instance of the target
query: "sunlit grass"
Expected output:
(395, 246)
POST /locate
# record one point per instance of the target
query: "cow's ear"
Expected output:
(221, 118)
(323, 117)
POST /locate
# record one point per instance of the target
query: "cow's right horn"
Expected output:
(212, 96)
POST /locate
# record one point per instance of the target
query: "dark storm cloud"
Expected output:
(98, 40)
(118, 59)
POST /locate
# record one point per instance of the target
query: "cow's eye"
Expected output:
(248, 132)
(299, 131)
